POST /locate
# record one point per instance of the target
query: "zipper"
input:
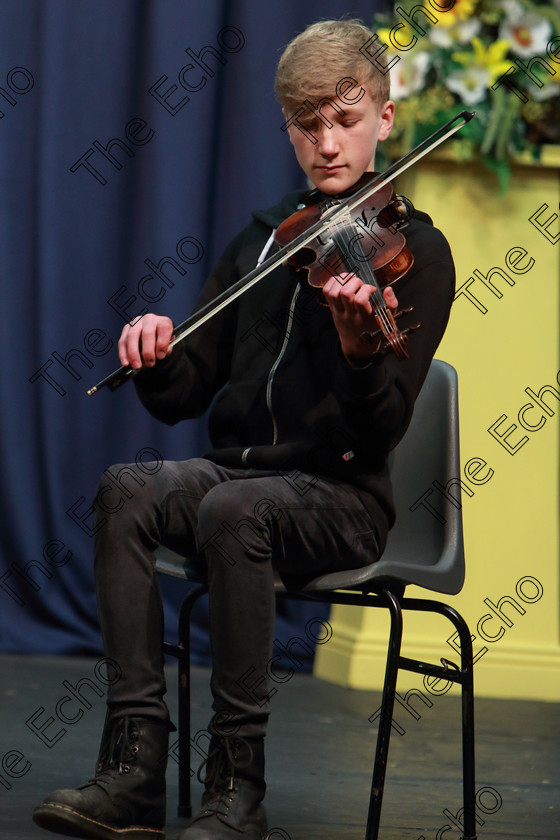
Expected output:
(268, 245)
(277, 362)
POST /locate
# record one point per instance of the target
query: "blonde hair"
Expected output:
(317, 60)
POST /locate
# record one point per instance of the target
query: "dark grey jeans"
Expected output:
(240, 523)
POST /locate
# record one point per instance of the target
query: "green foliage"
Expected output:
(472, 58)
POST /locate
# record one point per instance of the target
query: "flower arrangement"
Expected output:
(500, 58)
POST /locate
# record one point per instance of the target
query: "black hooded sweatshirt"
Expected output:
(283, 396)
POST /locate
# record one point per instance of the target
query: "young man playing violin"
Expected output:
(305, 409)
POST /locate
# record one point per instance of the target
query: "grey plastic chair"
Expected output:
(424, 548)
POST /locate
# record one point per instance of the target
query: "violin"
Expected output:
(367, 243)
(335, 214)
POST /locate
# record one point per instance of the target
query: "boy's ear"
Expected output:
(286, 118)
(387, 119)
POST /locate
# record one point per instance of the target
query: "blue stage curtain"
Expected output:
(108, 165)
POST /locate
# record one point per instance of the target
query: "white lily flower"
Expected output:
(408, 74)
(528, 33)
(461, 32)
(470, 84)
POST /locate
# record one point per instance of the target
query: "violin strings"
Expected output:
(380, 310)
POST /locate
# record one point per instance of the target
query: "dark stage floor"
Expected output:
(320, 748)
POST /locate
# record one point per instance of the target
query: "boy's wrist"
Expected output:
(363, 352)
(359, 363)
(363, 358)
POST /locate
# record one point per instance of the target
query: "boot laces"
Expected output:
(118, 755)
(221, 765)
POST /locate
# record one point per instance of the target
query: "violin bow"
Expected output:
(332, 215)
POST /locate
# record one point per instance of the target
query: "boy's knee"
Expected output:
(227, 523)
(222, 503)
(119, 486)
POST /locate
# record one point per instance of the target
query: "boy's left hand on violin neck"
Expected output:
(348, 299)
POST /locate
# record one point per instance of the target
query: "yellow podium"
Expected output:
(503, 339)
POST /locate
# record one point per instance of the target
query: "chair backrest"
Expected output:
(425, 547)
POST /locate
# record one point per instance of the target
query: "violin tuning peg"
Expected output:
(410, 329)
(400, 312)
(370, 337)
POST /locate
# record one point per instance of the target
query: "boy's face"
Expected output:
(344, 152)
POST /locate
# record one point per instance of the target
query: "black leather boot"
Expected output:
(235, 787)
(126, 799)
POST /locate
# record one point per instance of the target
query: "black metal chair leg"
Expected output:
(467, 704)
(184, 808)
(386, 716)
